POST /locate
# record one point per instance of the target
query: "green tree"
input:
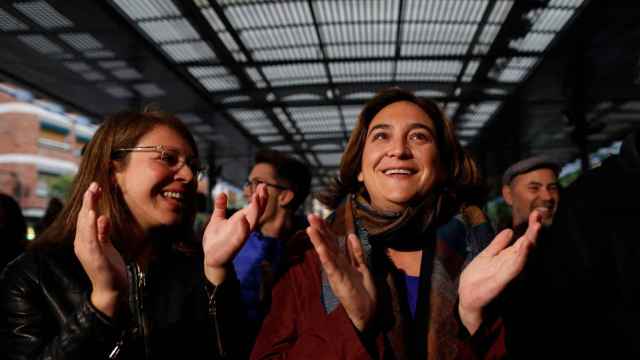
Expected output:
(60, 186)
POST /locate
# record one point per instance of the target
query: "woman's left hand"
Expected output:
(490, 272)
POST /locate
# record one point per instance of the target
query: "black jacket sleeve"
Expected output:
(27, 319)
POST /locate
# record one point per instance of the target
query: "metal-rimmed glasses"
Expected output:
(171, 158)
(253, 184)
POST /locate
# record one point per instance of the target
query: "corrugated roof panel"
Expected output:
(270, 138)
(189, 51)
(148, 9)
(10, 23)
(429, 49)
(444, 67)
(360, 50)
(213, 19)
(358, 33)
(500, 11)
(512, 75)
(565, 3)
(533, 41)
(220, 83)
(279, 37)
(445, 10)
(552, 19)
(295, 72)
(360, 68)
(81, 41)
(432, 32)
(289, 53)
(41, 44)
(331, 11)
(472, 67)
(488, 34)
(169, 30)
(268, 14)
(43, 14)
(207, 71)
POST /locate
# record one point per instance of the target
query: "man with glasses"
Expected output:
(260, 260)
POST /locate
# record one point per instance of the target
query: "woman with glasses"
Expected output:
(116, 275)
(385, 279)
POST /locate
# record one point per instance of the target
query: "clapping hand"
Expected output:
(101, 261)
(223, 237)
(490, 272)
(349, 278)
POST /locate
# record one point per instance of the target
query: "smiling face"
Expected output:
(535, 190)
(155, 194)
(400, 156)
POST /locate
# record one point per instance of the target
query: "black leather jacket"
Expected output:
(174, 312)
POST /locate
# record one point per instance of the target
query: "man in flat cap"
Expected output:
(531, 184)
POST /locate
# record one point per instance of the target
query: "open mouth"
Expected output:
(173, 195)
(398, 171)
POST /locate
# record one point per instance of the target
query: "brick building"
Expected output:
(39, 142)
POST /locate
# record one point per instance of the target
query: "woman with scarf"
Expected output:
(386, 279)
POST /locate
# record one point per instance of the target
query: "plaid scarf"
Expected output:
(433, 334)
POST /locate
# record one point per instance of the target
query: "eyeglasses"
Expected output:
(253, 183)
(171, 158)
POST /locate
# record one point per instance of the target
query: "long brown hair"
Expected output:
(459, 176)
(122, 130)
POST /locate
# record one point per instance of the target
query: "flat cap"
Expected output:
(530, 164)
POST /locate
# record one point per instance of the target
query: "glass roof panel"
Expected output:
(221, 83)
(331, 11)
(428, 49)
(291, 53)
(206, 71)
(10, 23)
(295, 73)
(148, 9)
(359, 33)
(189, 51)
(270, 14)
(169, 30)
(41, 44)
(279, 37)
(436, 67)
(552, 19)
(445, 10)
(81, 41)
(43, 14)
(500, 11)
(213, 19)
(360, 50)
(438, 32)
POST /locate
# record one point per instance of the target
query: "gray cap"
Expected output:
(530, 164)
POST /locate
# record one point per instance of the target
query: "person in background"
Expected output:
(13, 230)
(115, 276)
(54, 207)
(532, 184)
(398, 270)
(261, 259)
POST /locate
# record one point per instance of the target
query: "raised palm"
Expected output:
(347, 272)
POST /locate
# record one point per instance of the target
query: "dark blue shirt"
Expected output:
(412, 283)
(247, 263)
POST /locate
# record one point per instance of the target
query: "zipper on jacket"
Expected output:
(142, 323)
(213, 312)
(115, 352)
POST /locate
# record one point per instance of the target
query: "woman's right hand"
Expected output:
(223, 237)
(101, 261)
(350, 279)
